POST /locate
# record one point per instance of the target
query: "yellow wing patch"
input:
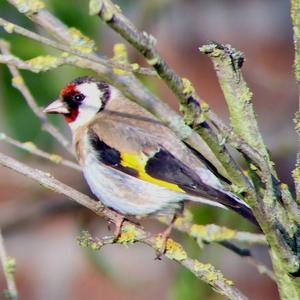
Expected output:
(138, 163)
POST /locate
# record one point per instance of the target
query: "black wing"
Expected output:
(163, 165)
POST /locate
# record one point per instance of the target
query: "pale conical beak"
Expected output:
(56, 107)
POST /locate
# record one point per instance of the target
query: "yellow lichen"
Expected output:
(179, 222)
(55, 158)
(95, 7)
(107, 14)
(204, 106)
(173, 249)
(296, 173)
(119, 71)
(209, 272)
(120, 52)
(153, 61)
(134, 66)
(211, 233)
(237, 189)
(17, 80)
(29, 6)
(85, 240)
(96, 245)
(10, 266)
(81, 42)
(118, 8)
(99, 207)
(9, 27)
(198, 266)
(121, 56)
(188, 88)
(163, 219)
(29, 146)
(246, 95)
(128, 235)
(44, 63)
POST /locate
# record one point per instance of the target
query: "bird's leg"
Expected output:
(166, 233)
(164, 238)
(118, 222)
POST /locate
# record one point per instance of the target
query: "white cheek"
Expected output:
(90, 106)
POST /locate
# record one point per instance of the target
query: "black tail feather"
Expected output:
(240, 207)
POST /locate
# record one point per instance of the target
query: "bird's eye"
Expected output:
(78, 97)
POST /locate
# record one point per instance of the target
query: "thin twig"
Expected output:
(248, 257)
(295, 16)
(8, 266)
(18, 83)
(205, 234)
(11, 27)
(137, 92)
(145, 44)
(33, 149)
(214, 233)
(174, 251)
(181, 87)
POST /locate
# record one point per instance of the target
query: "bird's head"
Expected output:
(80, 100)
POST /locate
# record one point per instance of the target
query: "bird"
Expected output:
(134, 163)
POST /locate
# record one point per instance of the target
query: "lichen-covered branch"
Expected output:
(227, 63)
(279, 226)
(82, 51)
(145, 44)
(130, 232)
(182, 88)
(214, 233)
(33, 149)
(278, 219)
(295, 15)
(18, 83)
(211, 233)
(174, 251)
(134, 89)
(8, 266)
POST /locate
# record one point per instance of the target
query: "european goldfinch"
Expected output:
(130, 160)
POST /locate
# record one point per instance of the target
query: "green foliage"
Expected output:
(21, 123)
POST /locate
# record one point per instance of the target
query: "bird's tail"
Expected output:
(233, 202)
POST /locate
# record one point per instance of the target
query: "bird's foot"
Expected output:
(118, 222)
(163, 239)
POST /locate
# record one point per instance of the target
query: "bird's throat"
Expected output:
(72, 116)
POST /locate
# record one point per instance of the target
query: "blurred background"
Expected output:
(40, 227)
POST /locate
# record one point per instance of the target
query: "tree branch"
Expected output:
(137, 92)
(18, 83)
(280, 227)
(295, 15)
(81, 51)
(33, 149)
(130, 232)
(8, 266)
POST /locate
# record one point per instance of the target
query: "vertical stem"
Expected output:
(295, 15)
(8, 266)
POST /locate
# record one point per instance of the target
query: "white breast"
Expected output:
(130, 195)
(125, 193)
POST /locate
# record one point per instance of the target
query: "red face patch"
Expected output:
(71, 117)
(67, 94)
